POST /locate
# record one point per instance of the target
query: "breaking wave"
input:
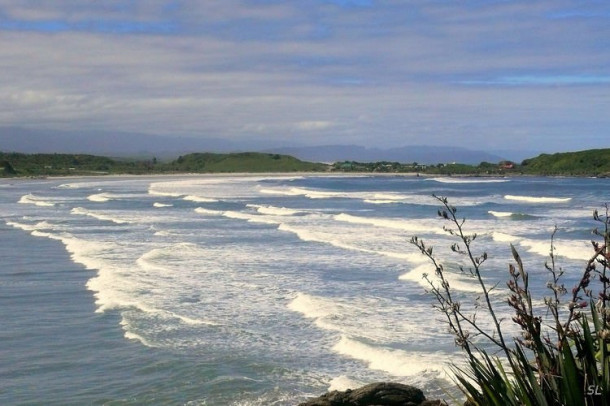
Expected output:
(398, 224)
(98, 215)
(537, 199)
(394, 361)
(511, 215)
(199, 199)
(38, 201)
(275, 211)
(467, 180)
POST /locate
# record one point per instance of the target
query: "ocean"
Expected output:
(255, 290)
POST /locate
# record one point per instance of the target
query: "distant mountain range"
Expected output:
(15, 139)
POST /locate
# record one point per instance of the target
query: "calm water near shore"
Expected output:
(257, 290)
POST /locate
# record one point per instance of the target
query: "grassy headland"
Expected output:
(17, 164)
(594, 162)
(241, 162)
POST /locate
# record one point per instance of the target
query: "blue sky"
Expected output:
(496, 74)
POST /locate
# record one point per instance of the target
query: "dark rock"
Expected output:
(375, 394)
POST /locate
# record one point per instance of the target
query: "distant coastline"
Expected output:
(590, 163)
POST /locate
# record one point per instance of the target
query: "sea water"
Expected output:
(255, 290)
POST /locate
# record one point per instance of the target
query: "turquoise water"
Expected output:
(227, 290)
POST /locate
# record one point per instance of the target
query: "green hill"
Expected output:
(242, 162)
(17, 164)
(593, 162)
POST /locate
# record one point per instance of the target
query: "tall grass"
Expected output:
(562, 354)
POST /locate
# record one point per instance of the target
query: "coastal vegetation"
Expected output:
(594, 162)
(562, 356)
(17, 164)
(583, 163)
(241, 162)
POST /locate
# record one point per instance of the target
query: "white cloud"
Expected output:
(313, 125)
(275, 69)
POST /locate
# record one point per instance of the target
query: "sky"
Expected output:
(481, 74)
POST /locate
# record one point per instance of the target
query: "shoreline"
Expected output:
(222, 175)
(291, 174)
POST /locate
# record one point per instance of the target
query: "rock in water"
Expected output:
(375, 394)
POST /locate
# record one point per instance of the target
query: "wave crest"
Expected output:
(35, 200)
(537, 199)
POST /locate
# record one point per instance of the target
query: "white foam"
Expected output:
(336, 240)
(252, 218)
(106, 197)
(386, 198)
(373, 201)
(343, 383)
(398, 224)
(25, 227)
(318, 194)
(100, 216)
(199, 199)
(38, 233)
(466, 180)
(310, 193)
(500, 214)
(459, 282)
(313, 307)
(68, 186)
(373, 319)
(136, 337)
(147, 261)
(391, 196)
(88, 254)
(577, 250)
(274, 211)
(503, 237)
(100, 197)
(160, 260)
(394, 361)
(208, 189)
(584, 213)
(112, 290)
(279, 192)
(38, 201)
(160, 205)
(537, 199)
(312, 236)
(153, 192)
(42, 225)
(195, 322)
(417, 274)
(202, 210)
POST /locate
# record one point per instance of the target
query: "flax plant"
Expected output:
(562, 354)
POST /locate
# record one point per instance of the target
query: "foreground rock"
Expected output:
(375, 394)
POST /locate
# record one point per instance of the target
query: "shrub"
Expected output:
(561, 356)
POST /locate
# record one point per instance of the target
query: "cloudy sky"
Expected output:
(477, 73)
